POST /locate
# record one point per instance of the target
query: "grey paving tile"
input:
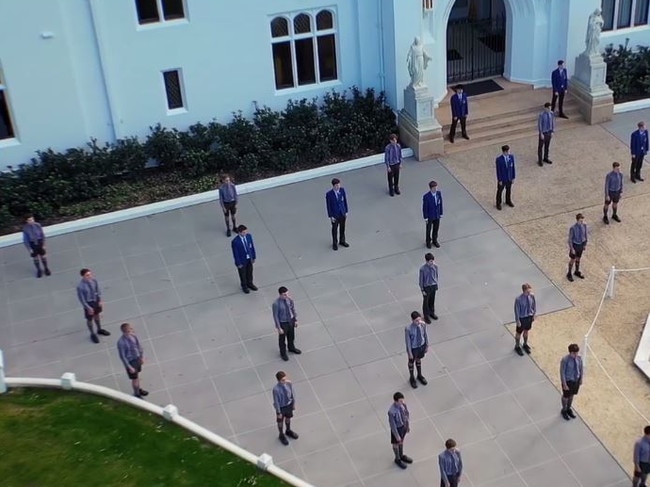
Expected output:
(486, 462)
(389, 478)
(478, 382)
(263, 350)
(371, 455)
(371, 295)
(187, 272)
(495, 343)
(344, 472)
(108, 269)
(334, 305)
(151, 280)
(112, 290)
(362, 350)
(554, 472)
(181, 254)
(566, 439)
(316, 433)
(92, 366)
(295, 372)
(423, 438)
(440, 395)
(389, 316)
(266, 440)
(512, 480)
(151, 379)
(312, 336)
(198, 291)
(354, 420)
(144, 263)
(166, 322)
(195, 396)
(156, 301)
(182, 370)
(251, 413)
(461, 424)
(347, 326)
(30, 308)
(322, 361)
(174, 345)
(594, 466)
(458, 354)
(238, 384)
(501, 413)
(213, 418)
(477, 319)
(255, 324)
(228, 358)
(403, 285)
(380, 376)
(320, 284)
(526, 447)
(541, 400)
(121, 310)
(273, 274)
(446, 329)
(516, 371)
(338, 388)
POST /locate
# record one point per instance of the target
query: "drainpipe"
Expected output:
(380, 21)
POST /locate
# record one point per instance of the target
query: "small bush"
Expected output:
(628, 72)
(83, 181)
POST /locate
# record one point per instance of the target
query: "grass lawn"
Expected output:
(57, 438)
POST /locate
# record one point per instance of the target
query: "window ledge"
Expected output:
(176, 111)
(13, 142)
(161, 24)
(625, 30)
(305, 88)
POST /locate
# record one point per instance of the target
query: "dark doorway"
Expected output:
(476, 40)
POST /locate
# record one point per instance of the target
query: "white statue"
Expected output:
(594, 28)
(417, 61)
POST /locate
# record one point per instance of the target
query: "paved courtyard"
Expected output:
(212, 350)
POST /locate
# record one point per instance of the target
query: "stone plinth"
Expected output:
(595, 99)
(418, 126)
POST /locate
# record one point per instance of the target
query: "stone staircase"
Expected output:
(502, 116)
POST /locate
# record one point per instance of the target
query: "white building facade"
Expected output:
(72, 70)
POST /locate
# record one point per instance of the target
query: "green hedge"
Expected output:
(628, 72)
(58, 186)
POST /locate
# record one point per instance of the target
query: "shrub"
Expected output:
(628, 72)
(98, 178)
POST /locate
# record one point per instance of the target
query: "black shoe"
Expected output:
(144, 393)
(616, 218)
(639, 178)
(344, 244)
(397, 191)
(565, 415)
(94, 338)
(427, 320)
(246, 290)
(606, 220)
(562, 115)
(510, 204)
(252, 287)
(413, 382)
(406, 459)
(295, 350)
(579, 274)
(548, 161)
(499, 207)
(465, 136)
(569, 276)
(434, 316)
(424, 382)
(451, 140)
(519, 351)
(571, 414)
(39, 273)
(292, 434)
(391, 193)
(285, 357)
(335, 247)
(228, 233)
(47, 272)
(138, 396)
(436, 244)
(539, 163)
(283, 440)
(526, 348)
(428, 245)
(106, 333)
(633, 180)
(400, 464)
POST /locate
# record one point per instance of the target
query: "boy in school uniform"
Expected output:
(459, 112)
(525, 310)
(286, 322)
(560, 82)
(417, 345)
(505, 165)
(132, 356)
(428, 282)
(284, 403)
(642, 459)
(638, 149)
(571, 372)
(450, 463)
(577, 245)
(34, 240)
(228, 201)
(90, 297)
(398, 422)
(393, 161)
(244, 255)
(337, 210)
(432, 213)
(613, 192)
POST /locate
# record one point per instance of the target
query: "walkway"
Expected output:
(212, 350)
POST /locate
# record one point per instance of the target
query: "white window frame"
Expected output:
(181, 86)
(10, 140)
(161, 22)
(314, 35)
(615, 27)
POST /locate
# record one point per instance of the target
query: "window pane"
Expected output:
(641, 15)
(327, 58)
(282, 65)
(608, 14)
(301, 24)
(324, 20)
(147, 11)
(279, 27)
(173, 90)
(6, 128)
(173, 9)
(624, 13)
(305, 61)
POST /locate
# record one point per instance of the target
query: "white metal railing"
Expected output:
(68, 381)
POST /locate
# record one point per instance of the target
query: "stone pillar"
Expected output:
(588, 87)
(418, 127)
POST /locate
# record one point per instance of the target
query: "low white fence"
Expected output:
(69, 382)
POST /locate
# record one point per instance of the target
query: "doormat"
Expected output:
(496, 42)
(481, 87)
(453, 55)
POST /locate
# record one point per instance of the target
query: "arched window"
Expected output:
(304, 49)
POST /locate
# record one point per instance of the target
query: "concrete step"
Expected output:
(508, 88)
(501, 135)
(520, 117)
